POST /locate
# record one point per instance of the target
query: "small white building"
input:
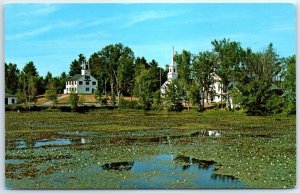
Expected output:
(10, 99)
(216, 92)
(172, 74)
(83, 83)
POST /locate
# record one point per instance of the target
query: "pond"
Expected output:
(75, 159)
(164, 171)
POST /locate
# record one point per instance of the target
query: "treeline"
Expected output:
(262, 83)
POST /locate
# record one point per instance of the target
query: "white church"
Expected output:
(216, 89)
(83, 83)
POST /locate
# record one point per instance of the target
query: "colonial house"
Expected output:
(10, 99)
(83, 83)
(214, 94)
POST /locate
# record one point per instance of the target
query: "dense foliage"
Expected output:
(262, 83)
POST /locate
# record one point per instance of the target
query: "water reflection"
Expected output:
(119, 166)
(24, 144)
(207, 133)
(162, 170)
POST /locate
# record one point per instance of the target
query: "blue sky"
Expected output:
(52, 35)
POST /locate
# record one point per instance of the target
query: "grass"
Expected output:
(260, 151)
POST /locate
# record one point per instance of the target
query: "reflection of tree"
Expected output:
(118, 166)
(215, 177)
(186, 162)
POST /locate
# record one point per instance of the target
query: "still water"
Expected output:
(163, 171)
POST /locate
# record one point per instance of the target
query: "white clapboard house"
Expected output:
(216, 87)
(83, 83)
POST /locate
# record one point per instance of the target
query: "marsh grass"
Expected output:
(260, 151)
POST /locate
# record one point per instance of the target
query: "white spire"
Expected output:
(172, 74)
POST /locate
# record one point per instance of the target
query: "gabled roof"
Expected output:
(75, 77)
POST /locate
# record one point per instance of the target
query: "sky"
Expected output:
(53, 35)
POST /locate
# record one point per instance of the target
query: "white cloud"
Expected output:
(43, 29)
(148, 15)
(34, 32)
(39, 10)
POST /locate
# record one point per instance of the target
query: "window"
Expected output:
(87, 89)
(6, 101)
(94, 82)
(67, 82)
(87, 77)
(174, 69)
(80, 82)
(87, 83)
(13, 101)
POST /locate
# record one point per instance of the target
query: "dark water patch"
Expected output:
(169, 171)
(27, 144)
(118, 166)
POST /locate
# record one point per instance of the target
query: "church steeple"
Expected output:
(172, 74)
(85, 68)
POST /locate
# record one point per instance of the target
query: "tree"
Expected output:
(229, 56)
(290, 85)
(118, 60)
(100, 71)
(51, 92)
(143, 90)
(74, 99)
(29, 83)
(61, 82)
(174, 96)
(11, 78)
(202, 69)
(30, 69)
(256, 82)
(48, 78)
(75, 66)
(153, 63)
(183, 61)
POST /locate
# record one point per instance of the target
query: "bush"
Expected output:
(177, 106)
(124, 104)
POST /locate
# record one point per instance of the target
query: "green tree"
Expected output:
(202, 68)
(157, 101)
(75, 66)
(143, 90)
(48, 78)
(118, 60)
(29, 83)
(61, 82)
(74, 99)
(256, 82)
(51, 92)
(174, 96)
(11, 77)
(183, 61)
(290, 85)
(229, 56)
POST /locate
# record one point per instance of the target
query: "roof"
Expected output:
(75, 77)
(9, 95)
